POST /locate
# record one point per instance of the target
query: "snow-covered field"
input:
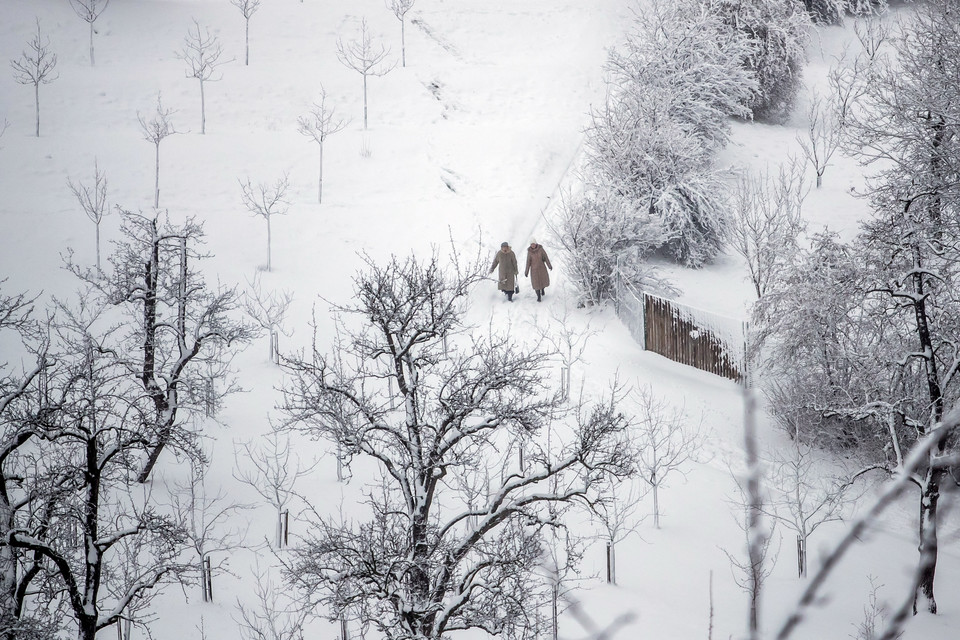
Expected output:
(468, 143)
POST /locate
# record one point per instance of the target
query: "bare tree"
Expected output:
(247, 8)
(154, 131)
(88, 461)
(665, 443)
(275, 616)
(767, 221)
(426, 414)
(914, 462)
(400, 8)
(822, 136)
(28, 411)
(268, 310)
(93, 200)
(201, 51)
(35, 66)
(568, 341)
(317, 125)
(182, 332)
(616, 511)
(266, 201)
(366, 58)
(272, 469)
(89, 11)
(803, 497)
(204, 517)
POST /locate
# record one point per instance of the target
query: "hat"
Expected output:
(504, 244)
(533, 241)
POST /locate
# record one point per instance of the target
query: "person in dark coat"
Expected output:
(537, 265)
(506, 259)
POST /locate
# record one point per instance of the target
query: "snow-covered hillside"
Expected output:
(468, 143)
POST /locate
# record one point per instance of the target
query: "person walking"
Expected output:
(506, 260)
(537, 265)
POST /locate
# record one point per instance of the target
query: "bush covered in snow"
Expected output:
(778, 32)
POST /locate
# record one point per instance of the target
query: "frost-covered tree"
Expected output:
(89, 11)
(36, 66)
(181, 331)
(366, 57)
(767, 221)
(266, 200)
(422, 564)
(317, 125)
(93, 200)
(902, 124)
(777, 32)
(247, 9)
(154, 131)
(606, 242)
(90, 453)
(27, 413)
(400, 9)
(268, 309)
(201, 51)
(665, 443)
(673, 87)
(822, 136)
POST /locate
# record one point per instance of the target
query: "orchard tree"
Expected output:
(89, 11)
(36, 66)
(400, 8)
(266, 200)
(28, 409)
(902, 124)
(93, 200)
(822, 137)
(87, 462)
(247, 9)
(181, 332)
(201, 51)
(318, 125)
(155, 130)
(665, 442)
(424, 564)
(767, 222)
(365, 57)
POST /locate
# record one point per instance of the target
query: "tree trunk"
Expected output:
(88, 628)
(156, 176)
(8, 578)
(98, 246)
(930, 496)
(203, 111)
(91, 43)
(320, 181)
(269, 242)
(656, 501)
(364, 107)
(246, 42)
(403, 43)
(36, 104)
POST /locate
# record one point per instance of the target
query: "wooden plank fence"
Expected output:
(684, 334)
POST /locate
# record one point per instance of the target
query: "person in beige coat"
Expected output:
(537, 265)
(506, 260)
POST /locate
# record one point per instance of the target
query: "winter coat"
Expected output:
(537, 263)
(507, 261)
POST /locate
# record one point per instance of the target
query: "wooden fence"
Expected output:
(690, 336)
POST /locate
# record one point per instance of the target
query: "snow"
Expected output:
(469, 142)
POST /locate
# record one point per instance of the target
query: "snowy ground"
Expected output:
(468, 142)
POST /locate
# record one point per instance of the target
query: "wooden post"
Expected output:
(801, 557)
(555, 597)
(274, 346)
(206, 579)
(611, 564)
